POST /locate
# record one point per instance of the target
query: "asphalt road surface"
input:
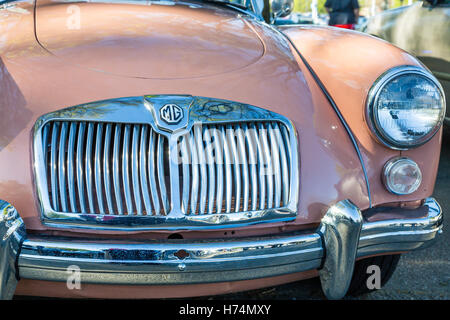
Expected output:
(422, 274)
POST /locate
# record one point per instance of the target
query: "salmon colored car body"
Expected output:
(110, 111)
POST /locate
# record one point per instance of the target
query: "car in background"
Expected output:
(422, 29)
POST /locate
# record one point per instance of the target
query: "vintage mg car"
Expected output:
(155, 149)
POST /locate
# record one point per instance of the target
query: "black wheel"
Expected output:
(387, 265)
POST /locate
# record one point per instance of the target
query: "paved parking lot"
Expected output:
(423, 274)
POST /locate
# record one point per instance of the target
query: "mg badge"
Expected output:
(171, 113)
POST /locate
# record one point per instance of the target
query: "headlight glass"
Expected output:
(406, 107)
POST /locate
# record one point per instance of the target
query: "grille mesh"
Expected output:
(124, 169)
(106, 168)
(234, 168)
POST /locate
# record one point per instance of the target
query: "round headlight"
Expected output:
(405, 107)
(402, 176)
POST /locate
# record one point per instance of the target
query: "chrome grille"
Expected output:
(106, 168)
(236, 167)
(116, 164)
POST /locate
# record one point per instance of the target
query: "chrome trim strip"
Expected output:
(401, 235)
(157, 263)
(139, 111)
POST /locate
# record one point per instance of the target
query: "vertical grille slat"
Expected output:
(124, 169)
(211, 168)
(261, 168)
(195, 173)
(284, 165)
(143, 170)
(186, 175)
(161, 175)
(80, 166)
(236, 167)
(252, 163)
(275, 165)
(268, 165)
(243, 161)
(219, 169)
(107, 169)
(70, 169)
(116, 169)
(45, 144)
(151, 170)
(88, 167)
(135, 170)
(53, 166)
(98, 168)
(203, 174)
(228, 171)
(62, 167)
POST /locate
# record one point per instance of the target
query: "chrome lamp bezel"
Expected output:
(372, 98)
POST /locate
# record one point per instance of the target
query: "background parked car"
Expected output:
(422, 29)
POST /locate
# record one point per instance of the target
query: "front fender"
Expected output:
(348, 63)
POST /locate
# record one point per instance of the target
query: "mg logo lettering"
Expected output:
(171, 113)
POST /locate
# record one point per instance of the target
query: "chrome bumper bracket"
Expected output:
(340, 229)
(12, 234)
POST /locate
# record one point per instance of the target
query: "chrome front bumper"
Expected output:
(343, 236)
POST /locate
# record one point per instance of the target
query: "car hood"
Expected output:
(157, 41)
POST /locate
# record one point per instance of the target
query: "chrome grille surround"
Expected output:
(119, 195)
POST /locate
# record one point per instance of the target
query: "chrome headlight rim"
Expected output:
(372, 98)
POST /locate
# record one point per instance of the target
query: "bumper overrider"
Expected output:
(343, 236)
